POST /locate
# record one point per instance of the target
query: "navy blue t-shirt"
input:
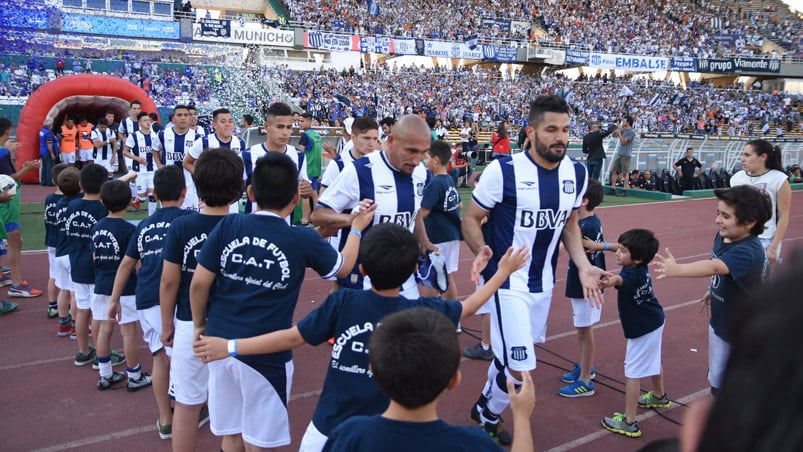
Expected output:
(110, 238)
(259, 262)
(590, 227)
(51, 222)
(61, 223)
(747, 267)
(374, 433)
(443, 201)
(639, 310)
(82, 215)
(6, 165)
(147, 247)
(182, 244)
(350, 316)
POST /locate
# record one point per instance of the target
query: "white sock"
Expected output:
(152, 207)
(134, 373)
(133, 188)
(105, 369)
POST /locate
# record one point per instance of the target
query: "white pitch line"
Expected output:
(99, 439)
(602, 432)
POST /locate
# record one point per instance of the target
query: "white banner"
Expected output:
(404, 46)
(451, 50)
(628, 62)
(248, 35)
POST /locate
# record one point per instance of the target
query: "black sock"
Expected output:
(51, 304)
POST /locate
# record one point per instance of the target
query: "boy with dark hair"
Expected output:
(257, 263)
(146, 247)
(69, 183)
(81, 215)
(110, 238)
(738, 264)
(414, 356)
(51, 239)
(219, 183)
(279, 127)
(642, 319)
(310, 144)
(438, 219)
(584, 314)
(388, 255)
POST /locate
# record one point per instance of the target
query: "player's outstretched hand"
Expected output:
(514, 259)
(522, 402)
(480, 261)
(364, 215)
(209, 348)
(590, 278)
(665, 266)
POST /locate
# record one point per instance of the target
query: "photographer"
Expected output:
(593, 148)
(461, 165)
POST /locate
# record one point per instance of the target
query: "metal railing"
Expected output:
(657, 154)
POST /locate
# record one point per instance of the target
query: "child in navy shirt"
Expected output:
(388, 256)
(110, 238)
(82, 214)
(642, 319)
(146, 247)
(219, 183)
(70, 185)
(438, 219)
(584, 314)
(257, 263)
(51, 236)
(738, 264)
(415, 356)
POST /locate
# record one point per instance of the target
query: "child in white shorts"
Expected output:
(642, 319)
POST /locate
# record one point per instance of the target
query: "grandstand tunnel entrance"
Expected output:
(88, 95)
(93, 107)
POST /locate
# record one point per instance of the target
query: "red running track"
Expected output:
(49, 404)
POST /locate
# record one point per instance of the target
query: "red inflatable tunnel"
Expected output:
(88, 95)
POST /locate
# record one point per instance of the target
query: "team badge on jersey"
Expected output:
(419, 189)
(518, 353)
(568, 187)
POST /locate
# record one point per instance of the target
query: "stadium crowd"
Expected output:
(439, 19)
(453, 95)
(651, 27)
(682, 28)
